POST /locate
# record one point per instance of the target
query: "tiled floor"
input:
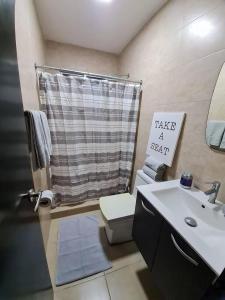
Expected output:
(129, 277)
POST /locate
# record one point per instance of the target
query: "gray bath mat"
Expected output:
(80, 252)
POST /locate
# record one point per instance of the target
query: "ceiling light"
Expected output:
(105, 1)
(201, 28)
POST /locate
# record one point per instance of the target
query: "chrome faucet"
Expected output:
(213, 191)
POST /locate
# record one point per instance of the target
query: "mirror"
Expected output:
(215, 129)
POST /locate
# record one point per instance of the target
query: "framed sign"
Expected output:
(164, 135)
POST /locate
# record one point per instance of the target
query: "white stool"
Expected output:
(118, 213)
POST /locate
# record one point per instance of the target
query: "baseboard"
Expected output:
(64, 211)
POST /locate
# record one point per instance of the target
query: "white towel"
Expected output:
(222, 144)
(151, 173)
(154, 164)
(214, 133)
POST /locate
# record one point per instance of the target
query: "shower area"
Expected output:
(93, 122)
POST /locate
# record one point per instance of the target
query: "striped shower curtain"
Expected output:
(93, 127)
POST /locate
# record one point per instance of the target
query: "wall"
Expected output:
(178, 55)
(30, 49)
(217, 107)
(78, 58)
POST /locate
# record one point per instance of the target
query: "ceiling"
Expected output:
(106, 25)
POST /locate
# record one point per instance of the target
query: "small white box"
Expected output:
(119, 231)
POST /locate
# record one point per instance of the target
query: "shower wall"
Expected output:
(78, 58)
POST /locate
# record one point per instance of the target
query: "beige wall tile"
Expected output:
(78, 58)
(30, 49)
(179, 70)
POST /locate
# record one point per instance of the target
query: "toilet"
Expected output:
(118, 211)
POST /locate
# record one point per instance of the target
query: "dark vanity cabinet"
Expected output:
(146, 229)
(177, 269)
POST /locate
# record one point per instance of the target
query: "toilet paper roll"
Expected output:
(48, 197)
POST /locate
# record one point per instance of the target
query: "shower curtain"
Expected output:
(93, 128)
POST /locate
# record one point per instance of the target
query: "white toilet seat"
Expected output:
(117, 207)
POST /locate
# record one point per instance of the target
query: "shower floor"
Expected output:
(129, 277)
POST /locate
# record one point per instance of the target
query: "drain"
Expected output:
(190, 221)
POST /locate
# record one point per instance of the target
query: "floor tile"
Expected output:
(52, 258)
(144, 277)
(92, 290)
(53, 232)
(121, 255)
(52, 252)
(132, 282)
(123, 285)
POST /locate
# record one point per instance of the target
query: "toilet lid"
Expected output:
(117, 206)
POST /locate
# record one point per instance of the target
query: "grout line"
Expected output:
(107, 287)
(122, 267)
(75, 283)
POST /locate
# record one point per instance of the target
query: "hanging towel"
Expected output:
(214, 133)
(222, 144)
(151, 173)
(39, 138)
(154, 164)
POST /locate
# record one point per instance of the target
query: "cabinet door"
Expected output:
(146, 229)
(178, 271)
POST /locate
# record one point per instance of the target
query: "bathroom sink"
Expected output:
(183, 205)
(206, 231)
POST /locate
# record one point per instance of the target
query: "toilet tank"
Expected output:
(141, 179)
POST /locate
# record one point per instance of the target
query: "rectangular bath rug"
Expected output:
(80, 252)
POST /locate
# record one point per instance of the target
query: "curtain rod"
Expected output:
(94, 75)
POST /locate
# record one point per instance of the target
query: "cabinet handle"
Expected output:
(191, 260)
(148, 210)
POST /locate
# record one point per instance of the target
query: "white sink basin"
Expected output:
(183, 204)
(175, 204)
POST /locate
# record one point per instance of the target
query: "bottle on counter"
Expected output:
(186, 180)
